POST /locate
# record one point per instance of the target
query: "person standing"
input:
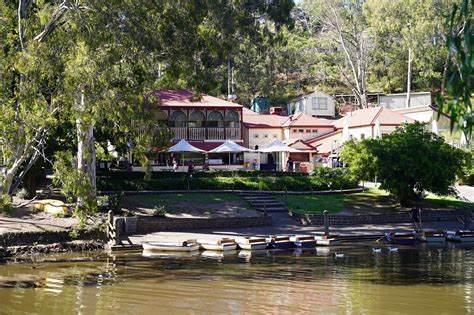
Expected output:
(289, 165)
(175, 165)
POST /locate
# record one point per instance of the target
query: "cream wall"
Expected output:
(291, 134)
(262, 136)
(307, 107)
(357, 132)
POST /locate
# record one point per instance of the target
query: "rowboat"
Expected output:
(460, 235)
(431, 236)
(278, 242)
(168, 254)
(252, 243)
(184, 246)
(327, 240)
(303, 241)
(401, 238)
(223, 244)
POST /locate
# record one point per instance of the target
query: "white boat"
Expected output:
(327, 240)
(431, 236)
(218, 254)
(252, 243)
(460, 235)
(223, 244)
(185, 246)
(168, 254)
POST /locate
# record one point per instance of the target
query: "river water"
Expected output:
(417, 280)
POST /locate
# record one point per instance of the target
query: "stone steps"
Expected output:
(263, 202)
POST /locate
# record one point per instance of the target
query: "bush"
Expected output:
(159, 211)
(328, 180)
(110, 202)
(22, 194)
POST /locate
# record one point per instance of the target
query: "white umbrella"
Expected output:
(278, 146)
(377, 133)
(345, 131)
(230, 146)
(463, 140)
(184, 146)
(434, 127)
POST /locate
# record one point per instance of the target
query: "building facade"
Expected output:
(316, 104)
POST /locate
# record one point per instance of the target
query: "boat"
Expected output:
(223, 244)
(278, 242)
(184, 246)
(252, 243)
(303, 241)
(401, 238)
(460, 235)
(431, 236)
(327, 240)
(168, 254)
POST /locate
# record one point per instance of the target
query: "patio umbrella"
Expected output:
(345, 132)
(278, 146)
(184, 146)
(434, 126)
(229, 147)
(377, 133)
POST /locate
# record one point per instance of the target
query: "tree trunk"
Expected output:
(86, 158)
(409, 79)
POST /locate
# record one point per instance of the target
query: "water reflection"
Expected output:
(416, 279)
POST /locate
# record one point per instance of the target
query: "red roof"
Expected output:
(368, 117)
(254, 120)
(305, 120)
(184, 98)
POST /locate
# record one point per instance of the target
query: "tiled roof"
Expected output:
(254, 120)
(183, 98)
(305, 120)
(368, 117)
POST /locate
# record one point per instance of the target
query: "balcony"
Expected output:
(206, 133)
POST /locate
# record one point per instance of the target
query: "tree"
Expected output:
(359, 159)
(344, 38)
(410, 162)
(455, 98)
(400, 27)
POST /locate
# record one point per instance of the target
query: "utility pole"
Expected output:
(409, 78)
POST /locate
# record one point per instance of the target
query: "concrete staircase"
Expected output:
(263, 202)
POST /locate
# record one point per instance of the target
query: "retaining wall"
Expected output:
(148, 224)
(399, 217)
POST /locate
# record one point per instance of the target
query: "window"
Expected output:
(300, 106)
(308, 130)
(265, 136)
(232, 120)
(275, 136)
(295, 131)
(362, 136)
(300, 130)
(255, 136)
(178, 119)
(196, 119)
(319, 103)
(215, 120)
(315, 130)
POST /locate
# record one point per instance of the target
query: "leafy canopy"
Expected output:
(409, 162)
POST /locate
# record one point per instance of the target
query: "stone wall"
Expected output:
(43, 237)
(148, 224)
(397, 217)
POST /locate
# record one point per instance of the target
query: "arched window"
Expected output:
(215, 120)
(232, 120)
(161, 118)
(178, 119)
(196, 119)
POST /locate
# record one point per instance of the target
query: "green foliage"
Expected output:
(22, 193)
(6, 203)
(159, 211)
(457, 101)
(410, 162)
(325, 180)
(110, 202)
(74, 183)
(359, 160)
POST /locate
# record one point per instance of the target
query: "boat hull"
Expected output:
(253, 246)
(279, 245)
(391, 238)
(432, 239)
(170, 248)
(456, 236)
(219, 247)
(305, 244)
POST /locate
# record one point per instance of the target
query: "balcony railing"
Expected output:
(206, 133)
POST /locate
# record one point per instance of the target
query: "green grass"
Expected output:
(371, 201)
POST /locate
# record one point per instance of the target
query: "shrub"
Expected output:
(159, 211)
(22, 193)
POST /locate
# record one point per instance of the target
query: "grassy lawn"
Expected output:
(368, 202)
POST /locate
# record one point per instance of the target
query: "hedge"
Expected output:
(268, 183)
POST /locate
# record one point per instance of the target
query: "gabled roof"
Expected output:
(305, 120)
(254, 120)
(300, 145)
(183, 98)
(368, 116)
